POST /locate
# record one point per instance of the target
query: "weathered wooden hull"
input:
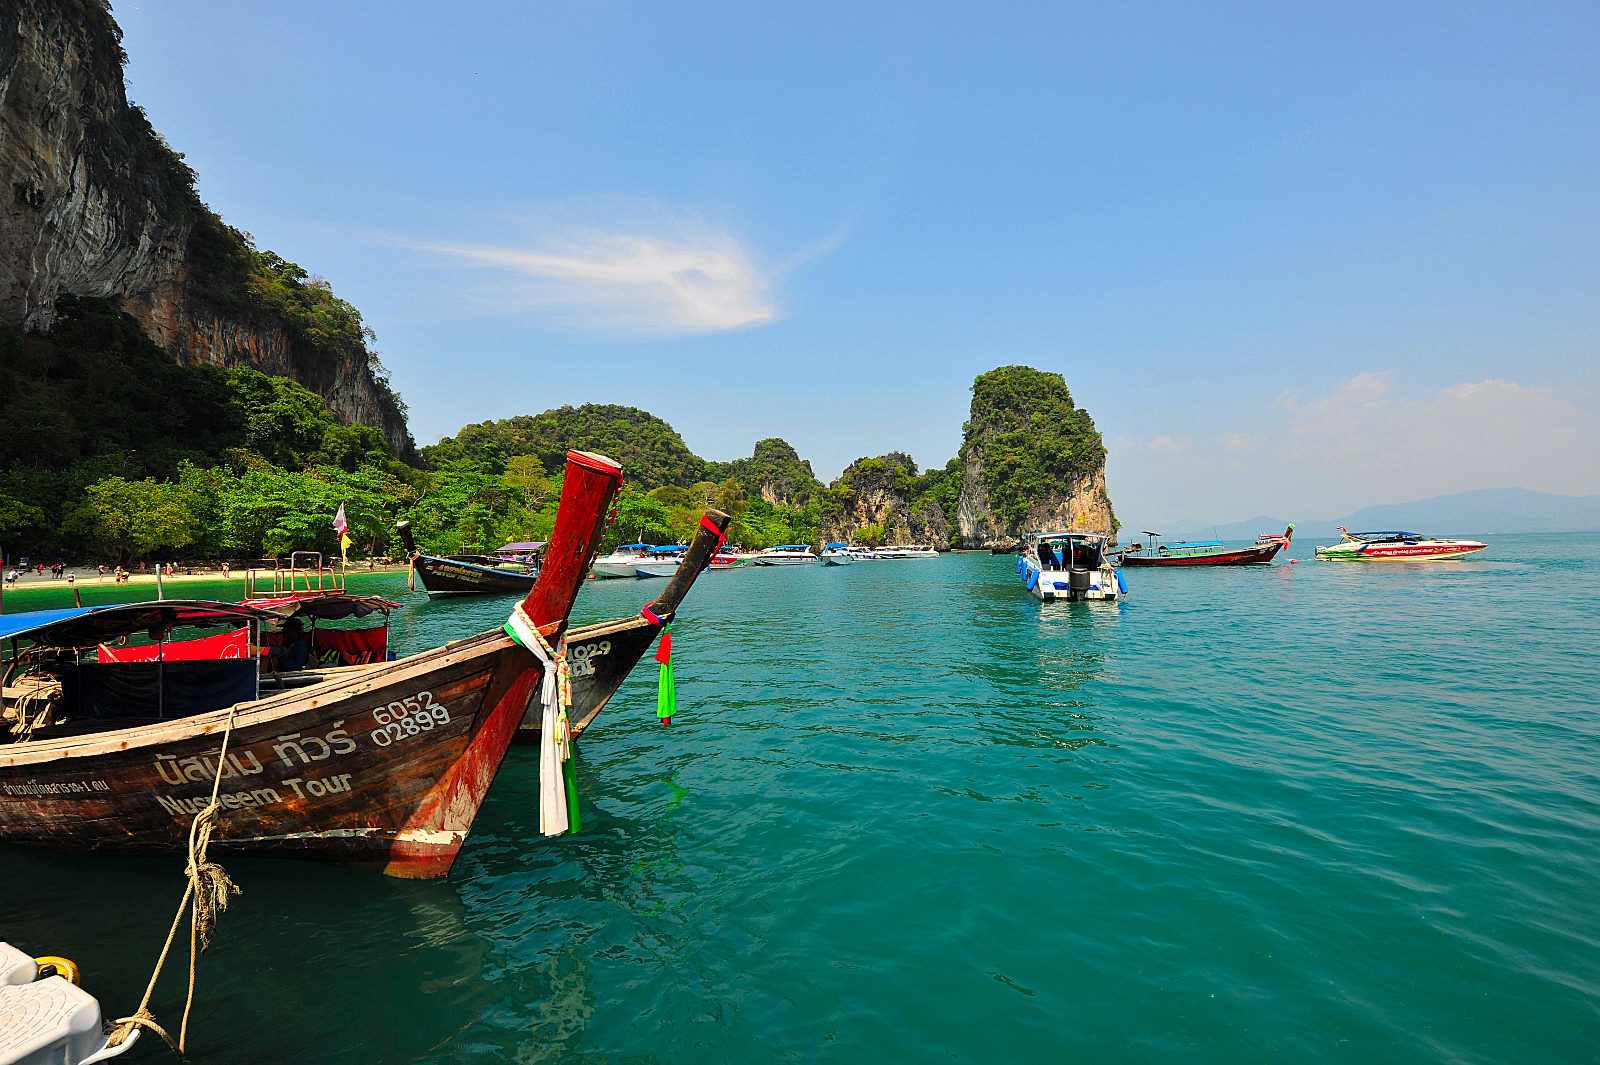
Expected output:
(444, 576)
(385, 769)
(600, 657)
(1244, 556)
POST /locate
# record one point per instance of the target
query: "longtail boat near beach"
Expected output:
(469, 574)
(380, 766)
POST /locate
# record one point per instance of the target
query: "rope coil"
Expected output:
(206, 894)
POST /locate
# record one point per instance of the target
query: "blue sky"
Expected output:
(1294, 259)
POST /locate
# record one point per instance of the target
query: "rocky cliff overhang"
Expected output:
(94, 203)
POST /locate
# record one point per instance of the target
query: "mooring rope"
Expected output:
(205, 894)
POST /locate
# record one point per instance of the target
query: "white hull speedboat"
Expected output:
(837, 555)
(786, 555)
(1396, 547)
(622, 562)
(1069, 566)
(660, 562)
(907, 551)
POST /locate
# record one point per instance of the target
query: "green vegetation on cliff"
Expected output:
(102, 436)
(651, 452)
(776, 473)
(773, 496)
(1027, 435)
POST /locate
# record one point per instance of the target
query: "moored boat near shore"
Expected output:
(623, 562)
(602, 656)
(1396, 546)
(1211, 553)
(905, 551)
(837, 555)
(380, 766)
(786, 555)
(467, 574)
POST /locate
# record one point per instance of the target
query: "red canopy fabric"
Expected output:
(356, 647)
(235, 644)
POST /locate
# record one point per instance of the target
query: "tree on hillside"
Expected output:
(651, 452)
(134, 518)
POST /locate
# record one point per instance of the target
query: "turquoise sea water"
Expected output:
(1326, 813)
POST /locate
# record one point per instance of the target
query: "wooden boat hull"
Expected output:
(1244, 556)
(444, 576)
(600, 657)
(385, 769)
(465, 575)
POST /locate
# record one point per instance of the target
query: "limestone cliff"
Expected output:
(101, 206)
(883, 501)
(1030, 460)
(776, 473)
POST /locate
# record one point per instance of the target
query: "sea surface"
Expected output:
(1304, 813)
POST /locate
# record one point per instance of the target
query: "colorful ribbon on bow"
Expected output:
(666, 687)
(558, 788)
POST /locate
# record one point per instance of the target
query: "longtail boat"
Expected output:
(601, 656)
(1396, 546)
(381, 766)
(1210, 553)
(466, 574)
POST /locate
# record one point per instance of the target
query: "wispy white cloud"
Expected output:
(702, 282)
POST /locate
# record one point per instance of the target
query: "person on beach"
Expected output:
(102, 570)
(72, 578)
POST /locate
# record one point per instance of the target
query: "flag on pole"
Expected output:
(342, 527)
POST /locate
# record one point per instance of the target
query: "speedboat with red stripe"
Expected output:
(1395, 546)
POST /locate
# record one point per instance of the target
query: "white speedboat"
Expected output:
(622, 562)
(786, 555)
(837, 555)
(1067, 565)
(1396, 547)
(907, 551)
(661, 561)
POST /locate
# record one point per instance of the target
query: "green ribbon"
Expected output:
(666, 690)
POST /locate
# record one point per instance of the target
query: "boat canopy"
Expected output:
(90, 625)
(1373, 537)
(790, 547)
(324, 607)
(1185, 545)
(523, 545)
(830, 547)
(669, 549)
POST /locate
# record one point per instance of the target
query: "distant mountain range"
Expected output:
(1486, 512)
